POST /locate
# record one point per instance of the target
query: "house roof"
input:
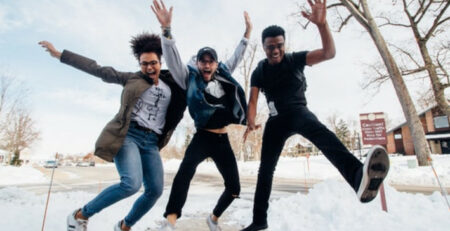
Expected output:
(404, 123)
(437, 136)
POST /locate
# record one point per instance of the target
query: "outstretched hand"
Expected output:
(318, 12)
(50, 49)
(164, 16)
(248, 25)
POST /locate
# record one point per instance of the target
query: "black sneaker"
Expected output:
(253, 227)
(374, 171)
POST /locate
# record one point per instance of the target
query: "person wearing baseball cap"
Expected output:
(207, 51)
(215, 100)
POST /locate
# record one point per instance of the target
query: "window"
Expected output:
(440, 122)
(397, 136)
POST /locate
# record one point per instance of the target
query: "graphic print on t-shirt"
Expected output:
(151, 108)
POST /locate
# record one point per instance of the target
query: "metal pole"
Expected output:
(443, 192)
(49, 190)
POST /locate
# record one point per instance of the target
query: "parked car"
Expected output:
(50, 164)
(83, 164)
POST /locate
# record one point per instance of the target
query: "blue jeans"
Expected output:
(138, 161)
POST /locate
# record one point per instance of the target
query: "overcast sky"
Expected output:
(71, 107)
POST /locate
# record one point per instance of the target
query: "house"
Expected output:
(437, 132)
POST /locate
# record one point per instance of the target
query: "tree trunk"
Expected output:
(415, 126)
(438, 89)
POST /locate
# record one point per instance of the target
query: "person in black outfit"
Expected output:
(280, 77)
(215, 100)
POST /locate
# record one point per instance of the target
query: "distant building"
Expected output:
(3, 156)
(298, 150)
(437, 132)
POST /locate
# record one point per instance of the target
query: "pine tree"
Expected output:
(343, 133)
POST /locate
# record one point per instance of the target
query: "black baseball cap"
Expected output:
(206, 50)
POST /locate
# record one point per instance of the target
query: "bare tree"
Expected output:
(17, 128)
(332, 121)
(359, 10)
(10, 96)
(363, 15)
(20, 133)
(427, 20)
(248, 64)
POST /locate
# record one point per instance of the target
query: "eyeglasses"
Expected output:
(273, 47)
(151, 63)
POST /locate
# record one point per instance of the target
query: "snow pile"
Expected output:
(10, 175)
(330, 205)
(401, 174)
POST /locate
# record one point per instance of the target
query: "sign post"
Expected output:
(373, 129)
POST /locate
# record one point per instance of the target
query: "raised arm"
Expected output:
(176, 67)
(318, 17)
(107, 74)
(239, 52)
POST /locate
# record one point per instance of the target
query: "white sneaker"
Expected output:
(76, 224)
(166, 226)
(213, 225)
(118, 226)
(375, 170)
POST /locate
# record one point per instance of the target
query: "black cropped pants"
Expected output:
(205, 144)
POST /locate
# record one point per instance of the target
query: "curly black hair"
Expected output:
(272, 31)
(146, 42)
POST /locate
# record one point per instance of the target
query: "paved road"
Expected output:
(95, 179)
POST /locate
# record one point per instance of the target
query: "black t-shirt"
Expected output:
(284, 91)
(222, 116)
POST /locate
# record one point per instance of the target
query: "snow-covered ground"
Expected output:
(24, 175)
(321, 169)
(330, 205)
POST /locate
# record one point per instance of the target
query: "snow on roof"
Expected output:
(437, 136)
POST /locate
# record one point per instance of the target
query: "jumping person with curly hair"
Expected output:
(152, 104)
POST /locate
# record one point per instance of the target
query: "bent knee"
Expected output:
(130, 186)
(154, 193)
(234, 191)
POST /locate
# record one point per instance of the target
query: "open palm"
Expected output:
(164, 16)
(318, 12)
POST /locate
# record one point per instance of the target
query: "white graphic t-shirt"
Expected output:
(150, 109)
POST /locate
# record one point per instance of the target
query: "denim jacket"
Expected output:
(201, 110)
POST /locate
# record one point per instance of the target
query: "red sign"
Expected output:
(373, 128)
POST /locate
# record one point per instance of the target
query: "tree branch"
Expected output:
(413, 71)
(406, 53)
(358, 14)
(334, 5)
(378, 79)
(437, 22)
(422, 11)
(344, 22)
(389, 23)
(445, 85)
